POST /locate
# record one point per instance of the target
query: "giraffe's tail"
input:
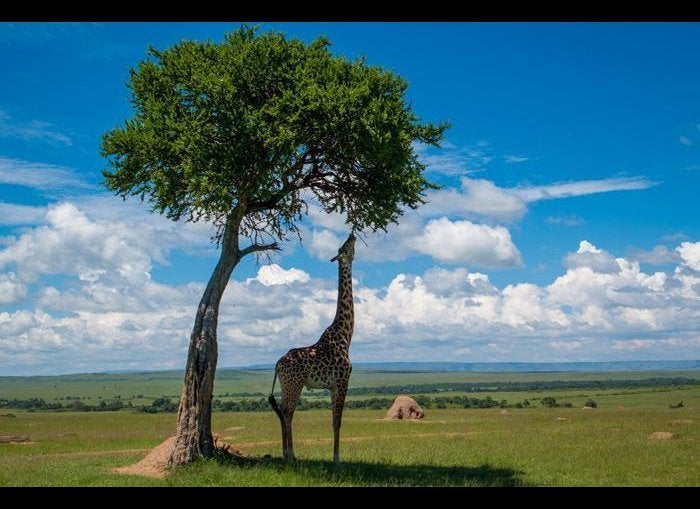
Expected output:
(273, 401)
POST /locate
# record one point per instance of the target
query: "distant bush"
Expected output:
(77, 406)
(549, 402)
(159, 405)
(677, 405)
(591, 403)
(512, 386)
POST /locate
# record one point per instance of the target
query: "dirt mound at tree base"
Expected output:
(156, 461)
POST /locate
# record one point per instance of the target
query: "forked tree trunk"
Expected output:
(194, 438)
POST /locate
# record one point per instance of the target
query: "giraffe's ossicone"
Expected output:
(323, 365)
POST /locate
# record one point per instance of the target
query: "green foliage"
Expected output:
(159, 405)
(677, 405)
(549, 402)
(255, 120)
(75, 405)
(591, 403)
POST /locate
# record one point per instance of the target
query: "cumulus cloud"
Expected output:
(323, 243)
(690, 254)
(273, 274)
(83, 298)
(590, 311)
(658, 256)
(590, 256)
(454, 217)
(477, 198)
(70, 243)
(11, 290)
(466, 242)
(83, 236)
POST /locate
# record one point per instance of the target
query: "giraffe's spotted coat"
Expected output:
(323, 365)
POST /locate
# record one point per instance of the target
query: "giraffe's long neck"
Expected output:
(345, 311)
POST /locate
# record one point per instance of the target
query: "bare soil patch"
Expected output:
(14, 439)
(676, 422)
(662, 435)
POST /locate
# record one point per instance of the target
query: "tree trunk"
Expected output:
(194, 438)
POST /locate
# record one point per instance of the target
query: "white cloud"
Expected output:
(690, 254)
(581, 187)
(451, 215)
(451, 160)
(457, 282)
(70, 243)
(570, 220)
(588, 255)
(567, 346)
(38, 175)
(587, 313)
(469, 243)
(273, 274)
(658, 256)
(11, 290)
(685, 141)
(322, 243)
(477, 198)
(12, 214)
(514, 159)
(633, 344)
(32, 130)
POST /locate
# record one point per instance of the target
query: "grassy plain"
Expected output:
(608, 446)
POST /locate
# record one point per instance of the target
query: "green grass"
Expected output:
(608, 446)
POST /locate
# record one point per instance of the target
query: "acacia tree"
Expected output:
(242, 134)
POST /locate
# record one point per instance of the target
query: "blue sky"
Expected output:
(566, 229)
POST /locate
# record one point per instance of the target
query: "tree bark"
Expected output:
(194, 438)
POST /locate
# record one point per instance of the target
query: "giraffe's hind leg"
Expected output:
(290, 398)
(338, 402)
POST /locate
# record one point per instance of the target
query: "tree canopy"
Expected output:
(245, 134)
(268, 124)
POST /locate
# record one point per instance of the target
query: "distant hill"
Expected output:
(516, 367)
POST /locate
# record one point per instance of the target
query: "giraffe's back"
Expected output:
(315, 367)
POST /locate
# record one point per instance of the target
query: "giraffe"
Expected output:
(325, 364)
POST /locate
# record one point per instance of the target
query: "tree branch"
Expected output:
(289, 187)
(273, 246)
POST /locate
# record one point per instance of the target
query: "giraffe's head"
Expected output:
(346, 253)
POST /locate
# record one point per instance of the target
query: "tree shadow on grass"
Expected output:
(364, 473)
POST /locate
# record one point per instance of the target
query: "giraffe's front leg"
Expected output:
(338, 402)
